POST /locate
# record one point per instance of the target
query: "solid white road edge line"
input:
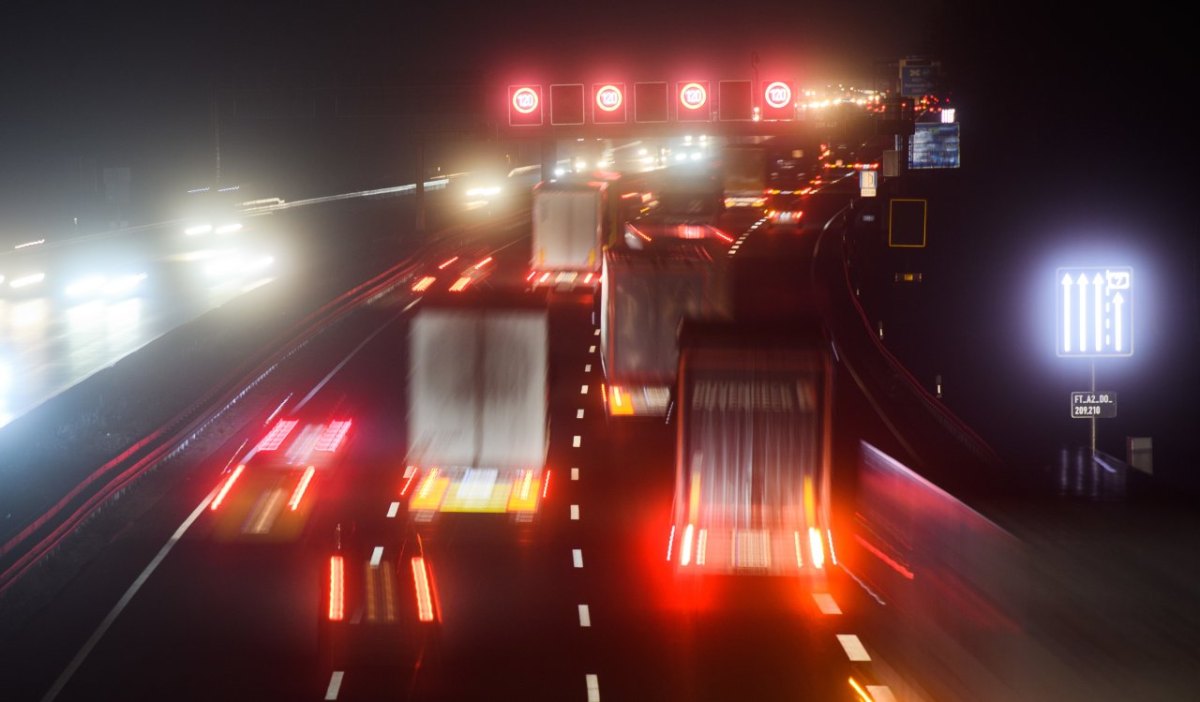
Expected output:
(83, 653)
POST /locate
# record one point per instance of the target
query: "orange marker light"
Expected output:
(424, 596)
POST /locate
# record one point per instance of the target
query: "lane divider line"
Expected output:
(393, 509)
(577, 557)
(826, 603)
(574, 513)
(593, 687)
(83, 653)
(579, 413)
(335, 685)
(574, 474)
(591, 349)
(587, 368)
(854, 648)
(376, 556)
(585, 616)
(577, 441)
(583, 390)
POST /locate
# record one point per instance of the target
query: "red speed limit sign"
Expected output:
(778, 100)
(609, 103)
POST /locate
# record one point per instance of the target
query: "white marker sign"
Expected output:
(1095, 312)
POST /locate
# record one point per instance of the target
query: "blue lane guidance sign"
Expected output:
(1093, 405)
(1095, 312)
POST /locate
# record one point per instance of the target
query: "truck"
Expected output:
(645, 295)
(752, 487)
(744, 172)
(568, 232)
(477, 405)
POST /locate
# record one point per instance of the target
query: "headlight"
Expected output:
(229, 228)
(197, 229)
(27, 280)
(488, 191)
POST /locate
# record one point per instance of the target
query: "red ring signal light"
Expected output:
(609, 98)
(693, 95)
(778, 94)
(525, 100)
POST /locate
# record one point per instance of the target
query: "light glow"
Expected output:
(525, 100)
(226, 486)
(693, 96)
(424, 595)
(197, 229)
(26, 281)
(423, 284)
(333, 435)
(274, 438)
(778, 94)
(460, 284)
(685, 556)
(27, 244)
(609, 98)
(816, 551)
(337, 589)
(447, 262)
(229, 228)
(301, 487)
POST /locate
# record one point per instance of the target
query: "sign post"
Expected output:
(1094, 320)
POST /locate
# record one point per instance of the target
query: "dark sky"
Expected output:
(129, 83)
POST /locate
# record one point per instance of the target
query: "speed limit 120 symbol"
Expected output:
(608, 98)
(693, 96)
(525, 100)
(778, 94)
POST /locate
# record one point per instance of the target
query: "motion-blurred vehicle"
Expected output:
(744, 171)
(687, 206)
(477, 404)
(753, 466)
(568, 233)
(24, 268)
(785, 209)
(645, 296)
(267, 494)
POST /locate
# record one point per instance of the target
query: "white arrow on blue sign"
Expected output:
(1095, 312)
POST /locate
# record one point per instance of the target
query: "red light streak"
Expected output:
(885, 558)
(483, 263)
(423, 284)
(301, 487)
(407, 483)
(546, 485)
(337, 589)
(446, 263)
(424, 596)
(226, 486)
(460, 284)
(274, 438)
(333, 435)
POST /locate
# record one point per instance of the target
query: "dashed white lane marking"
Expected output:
(583, 390)
(579, 413)
(574, 513)
(596, 333)
(376, 556)
(591, 349)
(826, 603)
(881, 693)
(593, 687)
(577, 441)
(587, 368)
(577, 557)
(393, 509)
(574, 474)
(585, 616)
(335, 685)
(854, 649)
(79, 658)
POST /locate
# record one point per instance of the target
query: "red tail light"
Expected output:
(337, 589)
(274, 438)
(424, 595)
